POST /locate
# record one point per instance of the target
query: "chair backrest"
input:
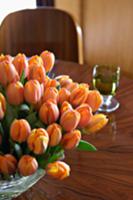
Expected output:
(31, 31)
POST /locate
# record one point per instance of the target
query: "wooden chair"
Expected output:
(31, 31)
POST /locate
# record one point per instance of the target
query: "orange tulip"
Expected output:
(84, 85)
(15, 93)
(1, 157)
(35, 60)
(70, 120)
(8, 164)
(27, 165)
(50, 82)
(38, 105)
(72, 86)
(21, 64)
(38, 140)
(55, 134)
(2, 106)
(64, 95)
(97, 122)
(48, 60)
(33, 91)
(65, 106)
(6, 58)
(58, 170)
(71, 140)
(85, 115)
(50, 93)
(20, 130)
(49, 112)
(8, 73)
(37, 72)
(78, 96)
(65, 81)
(94, 99)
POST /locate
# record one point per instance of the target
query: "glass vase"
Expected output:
(12, 188)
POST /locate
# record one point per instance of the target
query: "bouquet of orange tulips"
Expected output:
(41, 117)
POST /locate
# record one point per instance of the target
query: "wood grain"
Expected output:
(32, 31)
(103, 175)
(108, 31)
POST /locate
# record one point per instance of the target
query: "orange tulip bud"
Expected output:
(48, 60)
(78, 96)
(8, 73)
(58, 170)
(15, 93)
(21, 64)
(72, 86)
(85, 114)
(94, 99)
(50, 93)
(33, 91)
(49, 112)
(64, 95)
(71, 140)
(50, 82)
(20, 130)
(55, 134)
(27, 165)
(37, 72)
(35, 60)
(38, 105)
(65, 81)
(8, 164)
(65, 106)
(84, 85)
(1, 157)
(2, 106)
(38, 140)
(6, 58)
(70, 120)
(97, 122)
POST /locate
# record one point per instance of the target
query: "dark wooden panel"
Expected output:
(103, 175)
(34, 30)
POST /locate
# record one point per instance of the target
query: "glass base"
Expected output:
(18, 185)
(110, 104)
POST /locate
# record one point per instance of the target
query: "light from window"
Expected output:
(8, 6)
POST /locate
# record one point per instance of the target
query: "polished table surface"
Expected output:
(103, 175)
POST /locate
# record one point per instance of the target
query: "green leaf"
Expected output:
(22, 78)
(1, 130)
(18, 150)
(32, 119)
(86, 146)
(23, 110)
(2, 90)
(56, 156)
(43, 160)
(11, 114)
(39, 124)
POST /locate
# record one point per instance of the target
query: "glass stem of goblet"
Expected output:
(107, 100)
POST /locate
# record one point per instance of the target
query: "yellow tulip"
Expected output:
(97, 122)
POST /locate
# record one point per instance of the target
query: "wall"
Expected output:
(107, 29)
(108, 32)
(71, 6)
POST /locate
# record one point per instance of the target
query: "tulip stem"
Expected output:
(31, 108)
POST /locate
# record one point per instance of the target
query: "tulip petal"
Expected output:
(97, 122)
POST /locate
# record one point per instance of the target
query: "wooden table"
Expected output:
(103, 175)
